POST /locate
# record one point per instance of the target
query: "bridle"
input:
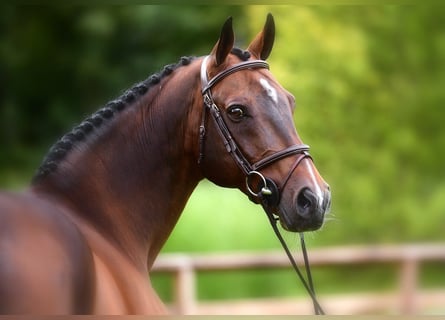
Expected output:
(269, 194)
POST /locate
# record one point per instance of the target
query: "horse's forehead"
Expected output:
(269, 89)
(272, 91)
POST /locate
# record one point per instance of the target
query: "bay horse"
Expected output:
(83, 237)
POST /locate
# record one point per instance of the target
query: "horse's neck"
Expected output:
(132, 180)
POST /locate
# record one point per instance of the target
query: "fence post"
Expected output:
(185, 288)
(408, 286)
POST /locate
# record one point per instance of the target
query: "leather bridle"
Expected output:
(269, 193)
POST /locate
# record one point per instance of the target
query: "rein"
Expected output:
(269, 194)
(308, 285)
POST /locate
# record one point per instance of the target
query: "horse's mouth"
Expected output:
(299, 224)
(296, 222)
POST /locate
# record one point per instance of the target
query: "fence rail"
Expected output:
(408, 300)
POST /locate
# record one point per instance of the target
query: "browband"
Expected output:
(207, 85)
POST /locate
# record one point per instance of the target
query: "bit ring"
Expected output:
(264, 191)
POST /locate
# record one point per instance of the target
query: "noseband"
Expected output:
(269, 193)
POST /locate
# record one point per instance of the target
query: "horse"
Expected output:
(81, 239)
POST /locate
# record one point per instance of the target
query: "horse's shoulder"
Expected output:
(39, 246)
(27, 216)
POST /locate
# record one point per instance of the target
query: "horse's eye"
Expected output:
(236, 112)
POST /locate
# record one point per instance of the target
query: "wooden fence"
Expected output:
(408, 299)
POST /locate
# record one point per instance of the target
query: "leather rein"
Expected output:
(269, 193)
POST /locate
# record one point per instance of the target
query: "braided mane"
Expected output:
(82, 131)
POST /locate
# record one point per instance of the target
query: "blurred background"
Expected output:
(369, 83)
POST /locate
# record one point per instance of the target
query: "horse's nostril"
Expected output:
(305, 201)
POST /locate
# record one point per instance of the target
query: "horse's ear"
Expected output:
(225, 43)
(262, 45)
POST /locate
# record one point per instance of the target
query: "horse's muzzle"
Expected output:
(309, 211)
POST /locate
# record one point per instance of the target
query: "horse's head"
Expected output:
(248, 138)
